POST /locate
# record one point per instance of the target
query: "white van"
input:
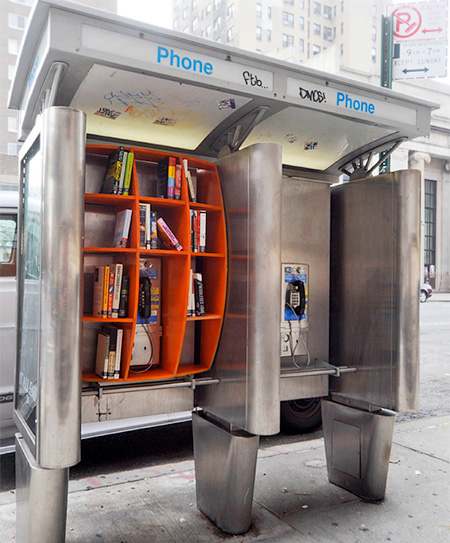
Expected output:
(8, 303)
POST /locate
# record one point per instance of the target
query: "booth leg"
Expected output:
(358, 447)
(41, 499)
(225, 465)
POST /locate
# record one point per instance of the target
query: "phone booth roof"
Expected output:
(150, 86)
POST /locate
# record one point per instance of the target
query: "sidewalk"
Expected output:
(439, 297)
(293, 500)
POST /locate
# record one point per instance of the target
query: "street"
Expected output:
(173, 443)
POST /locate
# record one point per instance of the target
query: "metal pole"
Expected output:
(387, 44)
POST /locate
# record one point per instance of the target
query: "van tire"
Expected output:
(300, 416)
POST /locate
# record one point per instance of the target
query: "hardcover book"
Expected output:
(113, 169)
(167, 236)
(118, 272)
(97, 305)
(128, 173)
(122, 229)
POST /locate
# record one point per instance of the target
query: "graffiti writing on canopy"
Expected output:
(143, 98)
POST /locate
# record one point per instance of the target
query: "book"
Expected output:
(97, 305)
(128, 173)
(153, 230)
(167, 236)
(178, 182)
(202, 231)
(118, 273)
(118, 353)
(110, 291)
(194, 227)
(105, 292)
(122, 172)
(190, 182)
(148, 232)
(165, 185)
(111, 331)
(122, 229)
(123, 305)
(102, 356)
(112, 174)
(191, 298)
(199, 297)
(142, 222)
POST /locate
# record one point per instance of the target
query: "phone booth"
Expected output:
(269, 282)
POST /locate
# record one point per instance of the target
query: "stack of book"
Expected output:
(109, 352)
(169, 179)
(118, 172)
(198, 231)
(110, 292)
(196, 300)
(148, 234)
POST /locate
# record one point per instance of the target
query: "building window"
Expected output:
(342, 6)
(317, 8)
(430, 223)
(194, 4)
(208, 30)
(302, 4)
(316, 29)
(217, 4)
(12, 124)
(301, 47)
(258, 10)
(327, 33)
(288, 40)
(195, 24)
(374, 33)
(342, 28)
(374, 10)
(208, 9)
(269, 12)
(258, 33)
(374, 54)
(13, 47)
(302, 23)
(176, 23)
(23, 2)
(185, 13)
(288, 19)
(230, 11)
(328, 12)
(230, 33)
(11, 71)
(217, 22)
(315, 49)
(291, 2)
(13, 149)
(269, 35)
(342, 48)
(16, 21)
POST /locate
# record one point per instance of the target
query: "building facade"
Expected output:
(13, 21)
(343, 37)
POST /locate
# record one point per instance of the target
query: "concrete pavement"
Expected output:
(293, 500)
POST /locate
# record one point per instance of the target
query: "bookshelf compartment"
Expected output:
(186, 345)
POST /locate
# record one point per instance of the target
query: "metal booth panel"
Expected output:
(374, 296)
(248, 358)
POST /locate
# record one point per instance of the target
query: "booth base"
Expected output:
(358, 446)
(225, 465)
(41, 497)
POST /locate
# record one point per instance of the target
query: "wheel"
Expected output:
(423, 296)
(301, 416)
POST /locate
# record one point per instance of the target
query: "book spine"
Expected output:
(98, 291)
(128, 174)
(202, 231)
(110, 291)
(171, 178)
(167, 236)
(190, 183)
(161, 184)
(142, 213)
(105, 292)
(118, 353)
(153, 231)
(191, 286)
(123, 305)
(112, 331)
(148, 232)
(122, 172)
(194, 222)
(199, 297)
(178, 181)
(102, 358)
(118, 272)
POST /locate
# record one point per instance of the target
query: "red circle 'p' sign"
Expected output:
(407, 21)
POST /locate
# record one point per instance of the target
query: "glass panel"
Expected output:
(29, 287)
